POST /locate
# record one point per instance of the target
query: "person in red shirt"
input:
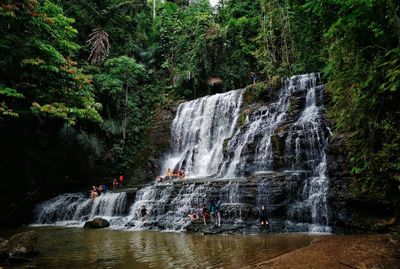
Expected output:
(121, 180)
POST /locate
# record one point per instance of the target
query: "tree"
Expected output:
(122, 75)
(274, 49)
(103, 23)
(38, 73)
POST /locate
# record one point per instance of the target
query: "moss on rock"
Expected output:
(264, 91)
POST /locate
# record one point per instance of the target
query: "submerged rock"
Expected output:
(18, 259)
(209, 229)
(97, 223)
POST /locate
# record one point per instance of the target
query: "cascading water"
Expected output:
(75, 208)
(199, 130)
(309, 152)
(167, 206)
(276, 157)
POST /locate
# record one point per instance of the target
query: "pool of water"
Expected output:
(80, 248)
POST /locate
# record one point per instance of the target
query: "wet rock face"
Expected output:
(148, 162)
(282, 133)
(160, 133)
(339, 173)
(97, 223)
(169, 204)
(3, 249)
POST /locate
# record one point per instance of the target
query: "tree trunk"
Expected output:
(396, 19)
(125, 121)
(154, 9)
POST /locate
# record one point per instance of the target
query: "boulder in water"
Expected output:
(97, 223)
(3, 249)
(23, 244)
(20, 247)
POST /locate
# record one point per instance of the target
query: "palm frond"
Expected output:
(111, 127)
(99, 45)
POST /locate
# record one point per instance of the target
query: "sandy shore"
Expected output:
(342, 251)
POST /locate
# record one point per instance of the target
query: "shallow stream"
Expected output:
(81, 248)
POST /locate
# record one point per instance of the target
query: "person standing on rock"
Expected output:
(204, 214)
(213, 211)
(253, 77)
(263, 216)
(218, 211)
(143, 213)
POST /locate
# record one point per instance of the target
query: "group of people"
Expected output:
(117, 183)
(98, 190)
(172, 174)
(213, 212)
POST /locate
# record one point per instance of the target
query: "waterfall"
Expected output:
(75, 208)
(231, 193)
(276, 156)
(260, 129)
(167, 206)
(199, 130)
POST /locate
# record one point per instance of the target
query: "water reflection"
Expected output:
(79, 248)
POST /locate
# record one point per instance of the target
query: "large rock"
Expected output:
(148, 161)
(23, 244)
(3, 249)
(97, 223)
(20, 248)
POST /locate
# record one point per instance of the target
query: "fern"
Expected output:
(111, 127)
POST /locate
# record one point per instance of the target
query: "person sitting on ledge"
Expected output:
(115, 183)
(93, 194)
(193, 216)
(169, 174)
(181, 174)
(104, 187)
(175, 173)
(98, 190)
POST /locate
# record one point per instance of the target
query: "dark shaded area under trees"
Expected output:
(80, 80)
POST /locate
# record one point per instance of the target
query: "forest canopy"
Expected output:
(83, 78)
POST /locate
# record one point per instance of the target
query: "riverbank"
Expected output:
(341, 251)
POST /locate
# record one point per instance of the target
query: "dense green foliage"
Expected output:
(37, 71)
(91, 73)
(359, 42)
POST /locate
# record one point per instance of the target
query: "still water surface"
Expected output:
(81, 248)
